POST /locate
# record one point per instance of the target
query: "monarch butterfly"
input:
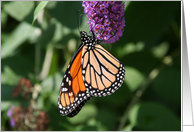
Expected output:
(92, 71)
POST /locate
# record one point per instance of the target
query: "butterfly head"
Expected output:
(83, 33)
(86, 39)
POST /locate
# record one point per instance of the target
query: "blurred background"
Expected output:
(34, 60)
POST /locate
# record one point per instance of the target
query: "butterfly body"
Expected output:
(93, 71)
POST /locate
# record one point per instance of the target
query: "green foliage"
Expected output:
(38, 9)
(150, 49)
(18, 9)
(153, 116)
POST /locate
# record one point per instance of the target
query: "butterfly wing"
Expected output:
(102, 72)
(93, 71)
(73, 90)
(78, 108)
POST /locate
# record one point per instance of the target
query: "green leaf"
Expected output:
(127, 4)
(151, 116)
(8, 76)
(18, 9)
(38, 9)
(161, 49)
(86, 113)
(133, 115)
(52, 82)
(5, 105)
(133, 78)
(17, 37)
(54, 96)
(127, 128)
(4, 17)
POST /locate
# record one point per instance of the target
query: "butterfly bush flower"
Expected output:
(106, 19)
(9, 114)
(28, 118)
(12, 122)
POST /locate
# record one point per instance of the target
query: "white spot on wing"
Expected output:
(60, 106)
(64, 89)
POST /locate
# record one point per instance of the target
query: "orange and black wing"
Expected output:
(78, 108)
(73, 94)
(93, 71)
(102, 72)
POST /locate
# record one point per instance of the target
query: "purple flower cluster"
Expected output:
(9, 113)
(106, 19)
(37, 120)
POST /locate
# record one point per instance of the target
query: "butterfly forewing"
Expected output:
(73, 90)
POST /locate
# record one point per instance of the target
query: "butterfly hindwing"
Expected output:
(78, 108)
(103, 73)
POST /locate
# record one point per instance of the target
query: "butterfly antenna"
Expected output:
(80, 20)
(87, 28)
(91, 31)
